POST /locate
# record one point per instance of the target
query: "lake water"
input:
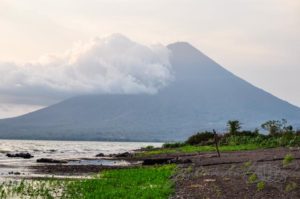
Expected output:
(62, 150)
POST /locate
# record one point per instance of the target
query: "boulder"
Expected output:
(123, 155)
(20, 155)
(100, 155)
(14, 173)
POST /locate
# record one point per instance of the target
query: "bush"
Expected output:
(201, 138)
(248, 133)
(173, 145)
(150, 147)
(286, 139)
(269, 142)
(295, 141)
(244, 137)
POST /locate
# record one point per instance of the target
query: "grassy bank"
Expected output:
(205, 142)
(142, 182)
(196, 149)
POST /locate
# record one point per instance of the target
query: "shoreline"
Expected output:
(198, 174)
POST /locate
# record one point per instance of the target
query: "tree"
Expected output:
(276, 126)
(233, 126)
(273, 126)
(285, 127)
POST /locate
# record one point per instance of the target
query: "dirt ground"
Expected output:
(237, 175)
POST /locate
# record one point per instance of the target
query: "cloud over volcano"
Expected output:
(113, 64)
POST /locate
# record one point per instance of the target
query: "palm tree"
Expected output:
(233, 126)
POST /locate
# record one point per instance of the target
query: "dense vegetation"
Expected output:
(280, 135)
(142, 182)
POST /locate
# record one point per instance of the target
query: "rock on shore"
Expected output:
(20, 155)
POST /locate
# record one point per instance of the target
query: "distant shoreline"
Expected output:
(82, 140)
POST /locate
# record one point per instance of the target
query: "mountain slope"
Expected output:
(202, 96)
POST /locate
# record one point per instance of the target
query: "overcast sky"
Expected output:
(255, 39)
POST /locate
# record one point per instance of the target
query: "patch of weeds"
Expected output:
(261, 185)
(288, 159)
(252, 178)
(291, 186)
(200, 172)
(247, 164)
(248, 172)
(189, 169)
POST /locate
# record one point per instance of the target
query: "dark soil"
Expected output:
(229, 176)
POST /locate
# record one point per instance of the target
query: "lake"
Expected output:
(81, 152)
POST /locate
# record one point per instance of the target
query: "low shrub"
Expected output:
(150, 147)
(248, 133)
(287, 139)
(295, 141)
(228, 139)
(203, 138)
(173, 145)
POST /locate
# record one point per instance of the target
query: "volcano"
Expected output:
(202, 96)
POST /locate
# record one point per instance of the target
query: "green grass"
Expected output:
(288, 159)
(195, 149)
(261, 185)
(149, 182)
(252, 178)
(142, 182)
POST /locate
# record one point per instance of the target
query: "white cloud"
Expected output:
(113, 64)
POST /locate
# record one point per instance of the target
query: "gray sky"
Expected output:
(255, 39)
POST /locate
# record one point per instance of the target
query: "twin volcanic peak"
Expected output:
(202, 96)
